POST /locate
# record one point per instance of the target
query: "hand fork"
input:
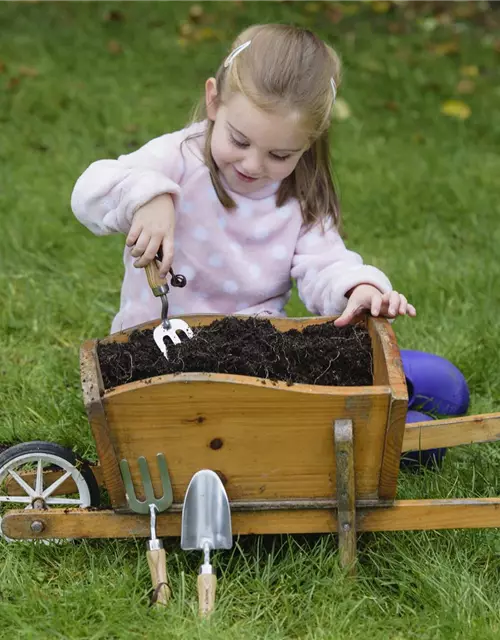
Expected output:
(155, 552)
(168, 328)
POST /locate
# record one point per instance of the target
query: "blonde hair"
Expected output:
(286, 67)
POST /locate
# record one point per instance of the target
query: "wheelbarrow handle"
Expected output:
(207, 584)
(158, 568)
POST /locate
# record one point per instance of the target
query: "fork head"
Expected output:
(143, 506)
(171, 332)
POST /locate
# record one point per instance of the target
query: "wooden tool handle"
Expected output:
(153, 275)
(207, 583)
(158, 568)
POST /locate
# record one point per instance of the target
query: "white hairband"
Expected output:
(246, 44)
(334, 88)
(234, 53)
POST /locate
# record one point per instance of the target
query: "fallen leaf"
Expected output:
(341, 110)
(207, 34)
(114, 47)
(496, 46)
(29, 72)
(466, 86)
(131, 128)
(444, 48)
(186, 30)
(379, 6)
(13, 82)
(456, 109)
(470, 70)
(2, 66)
(196, 12)
(444, 19)
(312, 7)
(395, 27)
(391, 105)
(464, 9)
(349, 8)
(113, 16)
(334, 15)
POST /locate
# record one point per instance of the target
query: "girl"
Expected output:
(247, 188)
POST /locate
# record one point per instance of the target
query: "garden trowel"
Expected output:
(206, 525)
(169, 328)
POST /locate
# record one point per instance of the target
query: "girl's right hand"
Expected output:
(153, 227)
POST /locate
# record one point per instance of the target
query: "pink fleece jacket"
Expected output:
(236, 262)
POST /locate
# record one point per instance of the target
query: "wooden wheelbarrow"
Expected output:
(293, 459)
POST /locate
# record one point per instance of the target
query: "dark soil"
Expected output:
(320, 354)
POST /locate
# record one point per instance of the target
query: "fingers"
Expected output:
(376, 305)
(168, 257)
(133, 235)
(148, 254)
(350, 312)
(394, 304)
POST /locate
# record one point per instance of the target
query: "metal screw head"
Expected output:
(346, 526)
(37, 526)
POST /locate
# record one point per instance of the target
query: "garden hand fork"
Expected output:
(155, 552)
(168, 328)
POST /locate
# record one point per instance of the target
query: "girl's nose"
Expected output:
(252, 165)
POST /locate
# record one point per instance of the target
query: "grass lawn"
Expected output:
(421, 201)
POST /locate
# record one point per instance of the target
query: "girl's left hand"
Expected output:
(365, 297)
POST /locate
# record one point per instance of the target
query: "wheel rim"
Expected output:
(39, 491)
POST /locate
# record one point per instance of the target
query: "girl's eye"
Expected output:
(275, 157)
(238, 143)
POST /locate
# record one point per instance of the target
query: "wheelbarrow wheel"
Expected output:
(45, 475)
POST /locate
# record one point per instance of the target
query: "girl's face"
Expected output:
(252, 148)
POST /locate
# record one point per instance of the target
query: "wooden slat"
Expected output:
(402, 515)
(346, 494)
(452, 432)
(388, 369)
(93, 390)
(449, 432)
(266, 441)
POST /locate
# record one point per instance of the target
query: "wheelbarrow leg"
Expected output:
(346, 494)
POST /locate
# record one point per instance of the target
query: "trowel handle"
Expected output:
(158, 568)
(158, 285)
(207, 583)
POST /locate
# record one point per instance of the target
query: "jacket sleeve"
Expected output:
(325, 270)
(109, 192)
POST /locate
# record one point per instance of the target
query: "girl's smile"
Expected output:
(244, 177)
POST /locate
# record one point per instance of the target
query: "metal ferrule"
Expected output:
(206, 569)
(154, 545)
(161, 290)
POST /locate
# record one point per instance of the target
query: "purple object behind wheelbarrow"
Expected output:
(435, 385)
(414, 460)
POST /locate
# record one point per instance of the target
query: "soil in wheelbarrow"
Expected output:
(321, 354)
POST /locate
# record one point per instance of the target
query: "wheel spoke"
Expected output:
(50, 490)
(39, 478)
(19, 499)
(22, 483)
(62, 501)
